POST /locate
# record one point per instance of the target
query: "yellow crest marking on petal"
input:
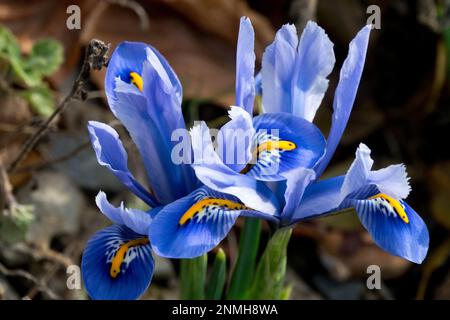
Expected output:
(136, 79)
(120, 255)
(269, 145)
(207, 202)
(395, 204)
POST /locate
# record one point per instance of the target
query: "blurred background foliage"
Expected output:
(402, 112)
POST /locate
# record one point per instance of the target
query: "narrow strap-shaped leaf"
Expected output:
(218, 277)
(268, 282)
(245, 265)
(193, 278)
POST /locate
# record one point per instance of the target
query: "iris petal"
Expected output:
(245, 66)
(235, 139)
(376, 196)
(258, 84)
(328, 195)
(392, 180)
(319, 197)
(150, 116)
(308, 145)
(358, 174)
(135, 219)
(163, 91)
(407, 240)
(195, 224)
(298, 180)
(345, 94)
(212, 172)
(127, 57)
(315, 61)
(111, 154)
(136, 267)
(131, 108)
(276, 72)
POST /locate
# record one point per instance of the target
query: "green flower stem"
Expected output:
(268, 282)
(245, 265)
(193, 278)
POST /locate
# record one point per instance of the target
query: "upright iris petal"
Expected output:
(314, 62)
(345, 94)
(277, 64)
(150, 115)
(245, 66)
(294, 75)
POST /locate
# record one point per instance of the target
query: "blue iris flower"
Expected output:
(145, 95)
(252, 150)
(378, 198)
(272, 176)
(186, 218)
(293, 82)
(233, 186)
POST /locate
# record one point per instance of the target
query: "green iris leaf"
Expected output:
(268, 282)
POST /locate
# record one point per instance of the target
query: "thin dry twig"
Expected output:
(55, 266)
(96, 56)
(64, 157)
(137, 8)
(72, 153)
(28, 276)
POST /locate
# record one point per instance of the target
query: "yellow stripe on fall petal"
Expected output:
(136, 79)
(269, 145)
(207, 202)
(120, 255)
(395, 204)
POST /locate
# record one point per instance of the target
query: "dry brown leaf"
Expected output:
(197, 37)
